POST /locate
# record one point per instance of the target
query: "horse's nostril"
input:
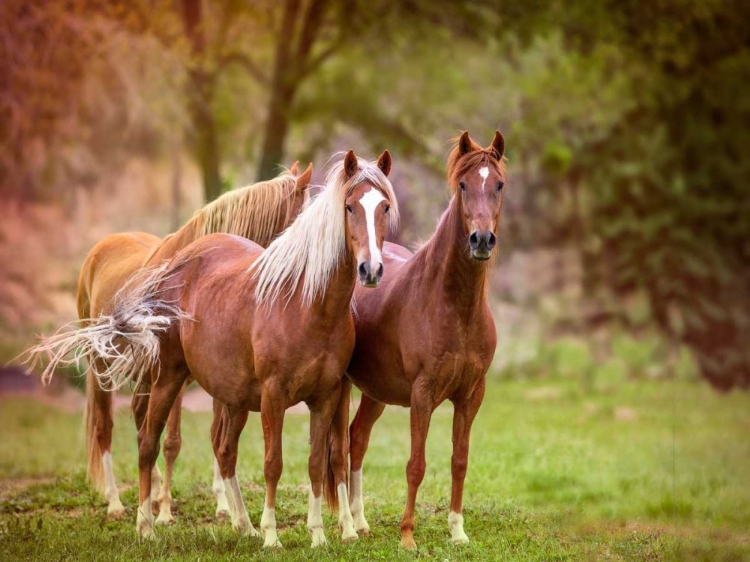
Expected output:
(491, 240)
(380, 271)
(363, 270)
(474, 240)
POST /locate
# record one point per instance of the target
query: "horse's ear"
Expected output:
(350, 164)
(498, 145)
(304, 180)
(464, 143)
(384, 163)
(294, 170)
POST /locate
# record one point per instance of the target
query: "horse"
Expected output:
(258, 212)
(426, 336)
(261, 330)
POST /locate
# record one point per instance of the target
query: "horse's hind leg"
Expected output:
(163, 394)
(139, 406)
(218, 488)
(172, 446)
(359, 437)
(464, 412)
(99, 423)
(226, 437)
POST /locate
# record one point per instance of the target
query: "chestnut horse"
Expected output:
(263, 330)
(258, 212)
(427, 335)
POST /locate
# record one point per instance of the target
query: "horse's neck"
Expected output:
(338, 294)
(448, 266)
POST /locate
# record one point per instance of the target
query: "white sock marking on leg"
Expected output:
(357, 503)
(219, 490)
(315, 520)
(346, 522)
(268, 526)
(456, 527)
(112, 495)
(145, 521)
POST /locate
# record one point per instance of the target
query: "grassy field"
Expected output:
(644, 471)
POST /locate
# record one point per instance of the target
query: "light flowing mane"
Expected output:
(311, 248)
(251, 212)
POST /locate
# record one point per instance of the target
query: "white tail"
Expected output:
(126, 342)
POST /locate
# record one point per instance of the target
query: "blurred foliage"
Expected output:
(625, 125)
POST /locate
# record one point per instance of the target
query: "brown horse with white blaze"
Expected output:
(258, 212)
(427, 335)
(268, 329)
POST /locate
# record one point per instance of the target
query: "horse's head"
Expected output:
(368, 205)
(301, 194)
(477, 176)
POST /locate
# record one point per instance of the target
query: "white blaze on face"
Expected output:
(484, 171)
(370, 201)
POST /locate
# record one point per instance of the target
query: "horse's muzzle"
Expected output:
(481, 244)
(366, 275)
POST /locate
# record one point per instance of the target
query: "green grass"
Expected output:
(641, 471)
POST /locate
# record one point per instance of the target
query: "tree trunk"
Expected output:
(207, 145)
(200, 96)
(276, 129)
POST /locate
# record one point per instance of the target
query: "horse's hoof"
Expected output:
(165, 519)
(408, 543)
(349, 536)
(275, 543)
(222, 515)
(115, 513)
(147, 533)
(254, 532)
(364, 531)
(318, 538)
(460, 540)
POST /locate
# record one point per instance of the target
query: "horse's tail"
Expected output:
(120, 347)
(95, 470)
(337, 450)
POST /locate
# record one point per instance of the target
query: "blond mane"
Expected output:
(311, 248)
(251, 212)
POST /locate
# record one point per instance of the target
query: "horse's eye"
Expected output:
(348, 208)
(462, 185)
(500, 185)
(387, 208)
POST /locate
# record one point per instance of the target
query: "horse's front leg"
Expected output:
(272, 408)
(321, 415)
(464, 412)
(172, 446)
(421, 413)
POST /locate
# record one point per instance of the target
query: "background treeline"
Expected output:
(626, 125)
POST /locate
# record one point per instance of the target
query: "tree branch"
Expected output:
(243, 60)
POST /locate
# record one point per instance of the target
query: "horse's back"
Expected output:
(107, 267)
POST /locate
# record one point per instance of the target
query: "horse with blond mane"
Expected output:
(261, 330)
(426, 336)
(258, 212)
